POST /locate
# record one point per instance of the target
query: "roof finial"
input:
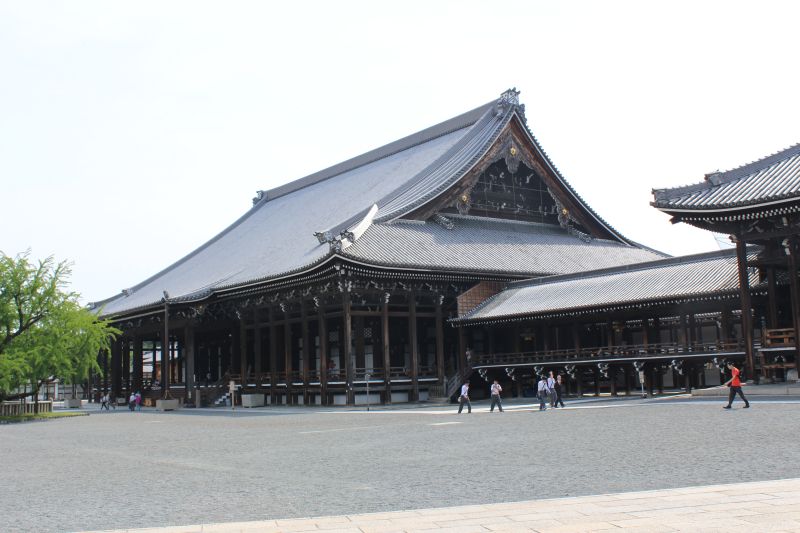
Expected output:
(510, 96)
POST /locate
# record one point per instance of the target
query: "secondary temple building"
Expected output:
(458, 252)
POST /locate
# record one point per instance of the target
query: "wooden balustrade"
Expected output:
(27, 408)
(607, 352)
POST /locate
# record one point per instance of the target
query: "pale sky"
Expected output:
(131, 133)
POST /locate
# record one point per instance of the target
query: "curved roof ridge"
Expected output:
(450, 167)
(461, 121)
(713, 179)
(571, 190)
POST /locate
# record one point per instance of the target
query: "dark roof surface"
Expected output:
(665, 279)
(773, 178)
(289, 228)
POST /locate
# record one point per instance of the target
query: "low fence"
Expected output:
(19, 408)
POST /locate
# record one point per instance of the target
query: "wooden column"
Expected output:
(138, 371)
(287, 354)
(772, 303)
(273, 356)
(116, 368)
(794, 297)
(347, 346)
(126, 366)
(165, 381)
(612, 378)
(744, 293)
(693, 339)
(627, 370)
(683, 333)
(306, 349)
(189, 354)
(412, 344)
(257, 348)
(322, 330)
(440, 341)
(596, 381)
(463, 364)
(387, 361)
(242, 350)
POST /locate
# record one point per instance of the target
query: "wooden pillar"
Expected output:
(273, 356)
(242, 350)
(387, 362)
(189, 354)
(744, 293)
(463, 364)
(138, 370)
(596, 381)
(683, 333)
(347, 346)
(116, 368)
(257, 348)
(322, 329)
(612, 378)
(287, 354)
(412, 342)
(772, 299)
(306, 349)
(578, 381)
(165, 353)
(440, 341)
(794, 297)
(626, 369)
(725, 324)
(126, 366)
(693, 339)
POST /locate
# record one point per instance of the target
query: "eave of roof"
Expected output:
(769, 181)
(478, 316)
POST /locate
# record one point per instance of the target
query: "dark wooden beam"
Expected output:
(347, 347)
(413, 345)
(440, 342)
(322, 330)
(747, 320)
(387, 362)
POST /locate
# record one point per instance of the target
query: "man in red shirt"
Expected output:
(736, 387)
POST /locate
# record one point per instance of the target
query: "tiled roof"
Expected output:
(774, 178)
(490, 245)
(663, 280)
(288, 228)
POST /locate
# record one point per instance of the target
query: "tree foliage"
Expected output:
(44, 331)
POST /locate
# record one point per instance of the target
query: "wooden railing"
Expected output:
(27, 408)
(643, 351)
(779, 337)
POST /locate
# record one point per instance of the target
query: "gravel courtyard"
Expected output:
(122, 469)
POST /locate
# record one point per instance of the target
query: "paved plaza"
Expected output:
(133, 470)
(738, 507)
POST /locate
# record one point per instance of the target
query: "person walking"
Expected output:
(464, 398)
(544, 393)
(495, 394)
(551, 385)
(735, 385)
(138, 401)
(104, 402)
(132, 402)
(558, 388)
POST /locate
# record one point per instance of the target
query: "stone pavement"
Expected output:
(746, 507)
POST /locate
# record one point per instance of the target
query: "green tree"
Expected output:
(44, 331)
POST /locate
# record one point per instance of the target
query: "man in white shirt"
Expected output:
(543, 393)
(464, 398)
(551, 384)
(495, 393)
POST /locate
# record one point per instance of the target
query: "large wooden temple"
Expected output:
(457, 251)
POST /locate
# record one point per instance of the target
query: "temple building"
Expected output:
(458, 252)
